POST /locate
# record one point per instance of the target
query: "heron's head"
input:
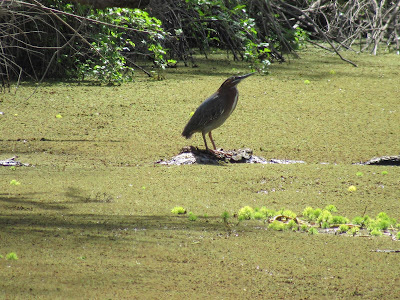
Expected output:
(234, 81)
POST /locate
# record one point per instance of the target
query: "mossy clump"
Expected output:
(343, 228)
(352, 188)
(15, 182)
(287, 213)
(178, 210)
(304, 227)
(225, 216)
(276, 225)
(312, 231)
(337, 220)
(325, 225)
(285, 219)
(325, 216)
(308, 213)
(381, 222)
(292, 225)
(312, 214)
(353, 230)
(11, 256)
(192, 216)
(270, 213)
(258, 215)
(331, 208)
(246, 213)
(358, 220)
(376, 232)
(383, 217)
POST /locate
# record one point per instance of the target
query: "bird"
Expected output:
(214, 111)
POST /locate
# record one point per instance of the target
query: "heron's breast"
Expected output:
(234, 103)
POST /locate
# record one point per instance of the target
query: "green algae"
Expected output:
(95, 193)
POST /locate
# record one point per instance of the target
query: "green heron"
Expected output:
(214, 111)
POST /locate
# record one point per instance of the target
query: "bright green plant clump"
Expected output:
(304, 227)
(292, 225)
(15, 182)
(287, 213)
(308, 213)
(353, 230)
(384, 217)
(325, 216)
(192, 216)
(398, 235)
(381, 222)
(331, 208)
(358, 220)
(376, 232)
(339, 220)
(325, 225)
(246, 213)
(270, 213)
(11, 256)
(258, 215)
(276, 225)
(225, 216)
(264, 211)
(178, 210)
(352, 188)
(343, 228)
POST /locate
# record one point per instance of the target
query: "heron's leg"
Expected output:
(215, 151)
(204, 138)
(212, 141)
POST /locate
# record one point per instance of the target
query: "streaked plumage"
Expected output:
(214, 111)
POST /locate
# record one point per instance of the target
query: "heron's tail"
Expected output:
(186, 133)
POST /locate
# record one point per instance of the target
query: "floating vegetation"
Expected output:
(314, 221)
(15, 182)
(179, 210)
(192, 216)
(11, 256)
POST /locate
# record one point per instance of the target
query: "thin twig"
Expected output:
(319, 30)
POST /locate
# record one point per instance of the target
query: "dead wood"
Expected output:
(193, 155)
(101, 4)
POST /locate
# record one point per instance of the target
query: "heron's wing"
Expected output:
(209, 110)
(212, 108)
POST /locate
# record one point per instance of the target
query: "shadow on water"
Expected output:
(26, 215)
(28, 202)
(93, 226)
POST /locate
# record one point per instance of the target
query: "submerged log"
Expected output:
(192, 155)
(11, 162)
(383, 161)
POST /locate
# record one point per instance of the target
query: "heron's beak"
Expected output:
(238, 79)
(245, 76)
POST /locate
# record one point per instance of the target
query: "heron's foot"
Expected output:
(220, 153)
